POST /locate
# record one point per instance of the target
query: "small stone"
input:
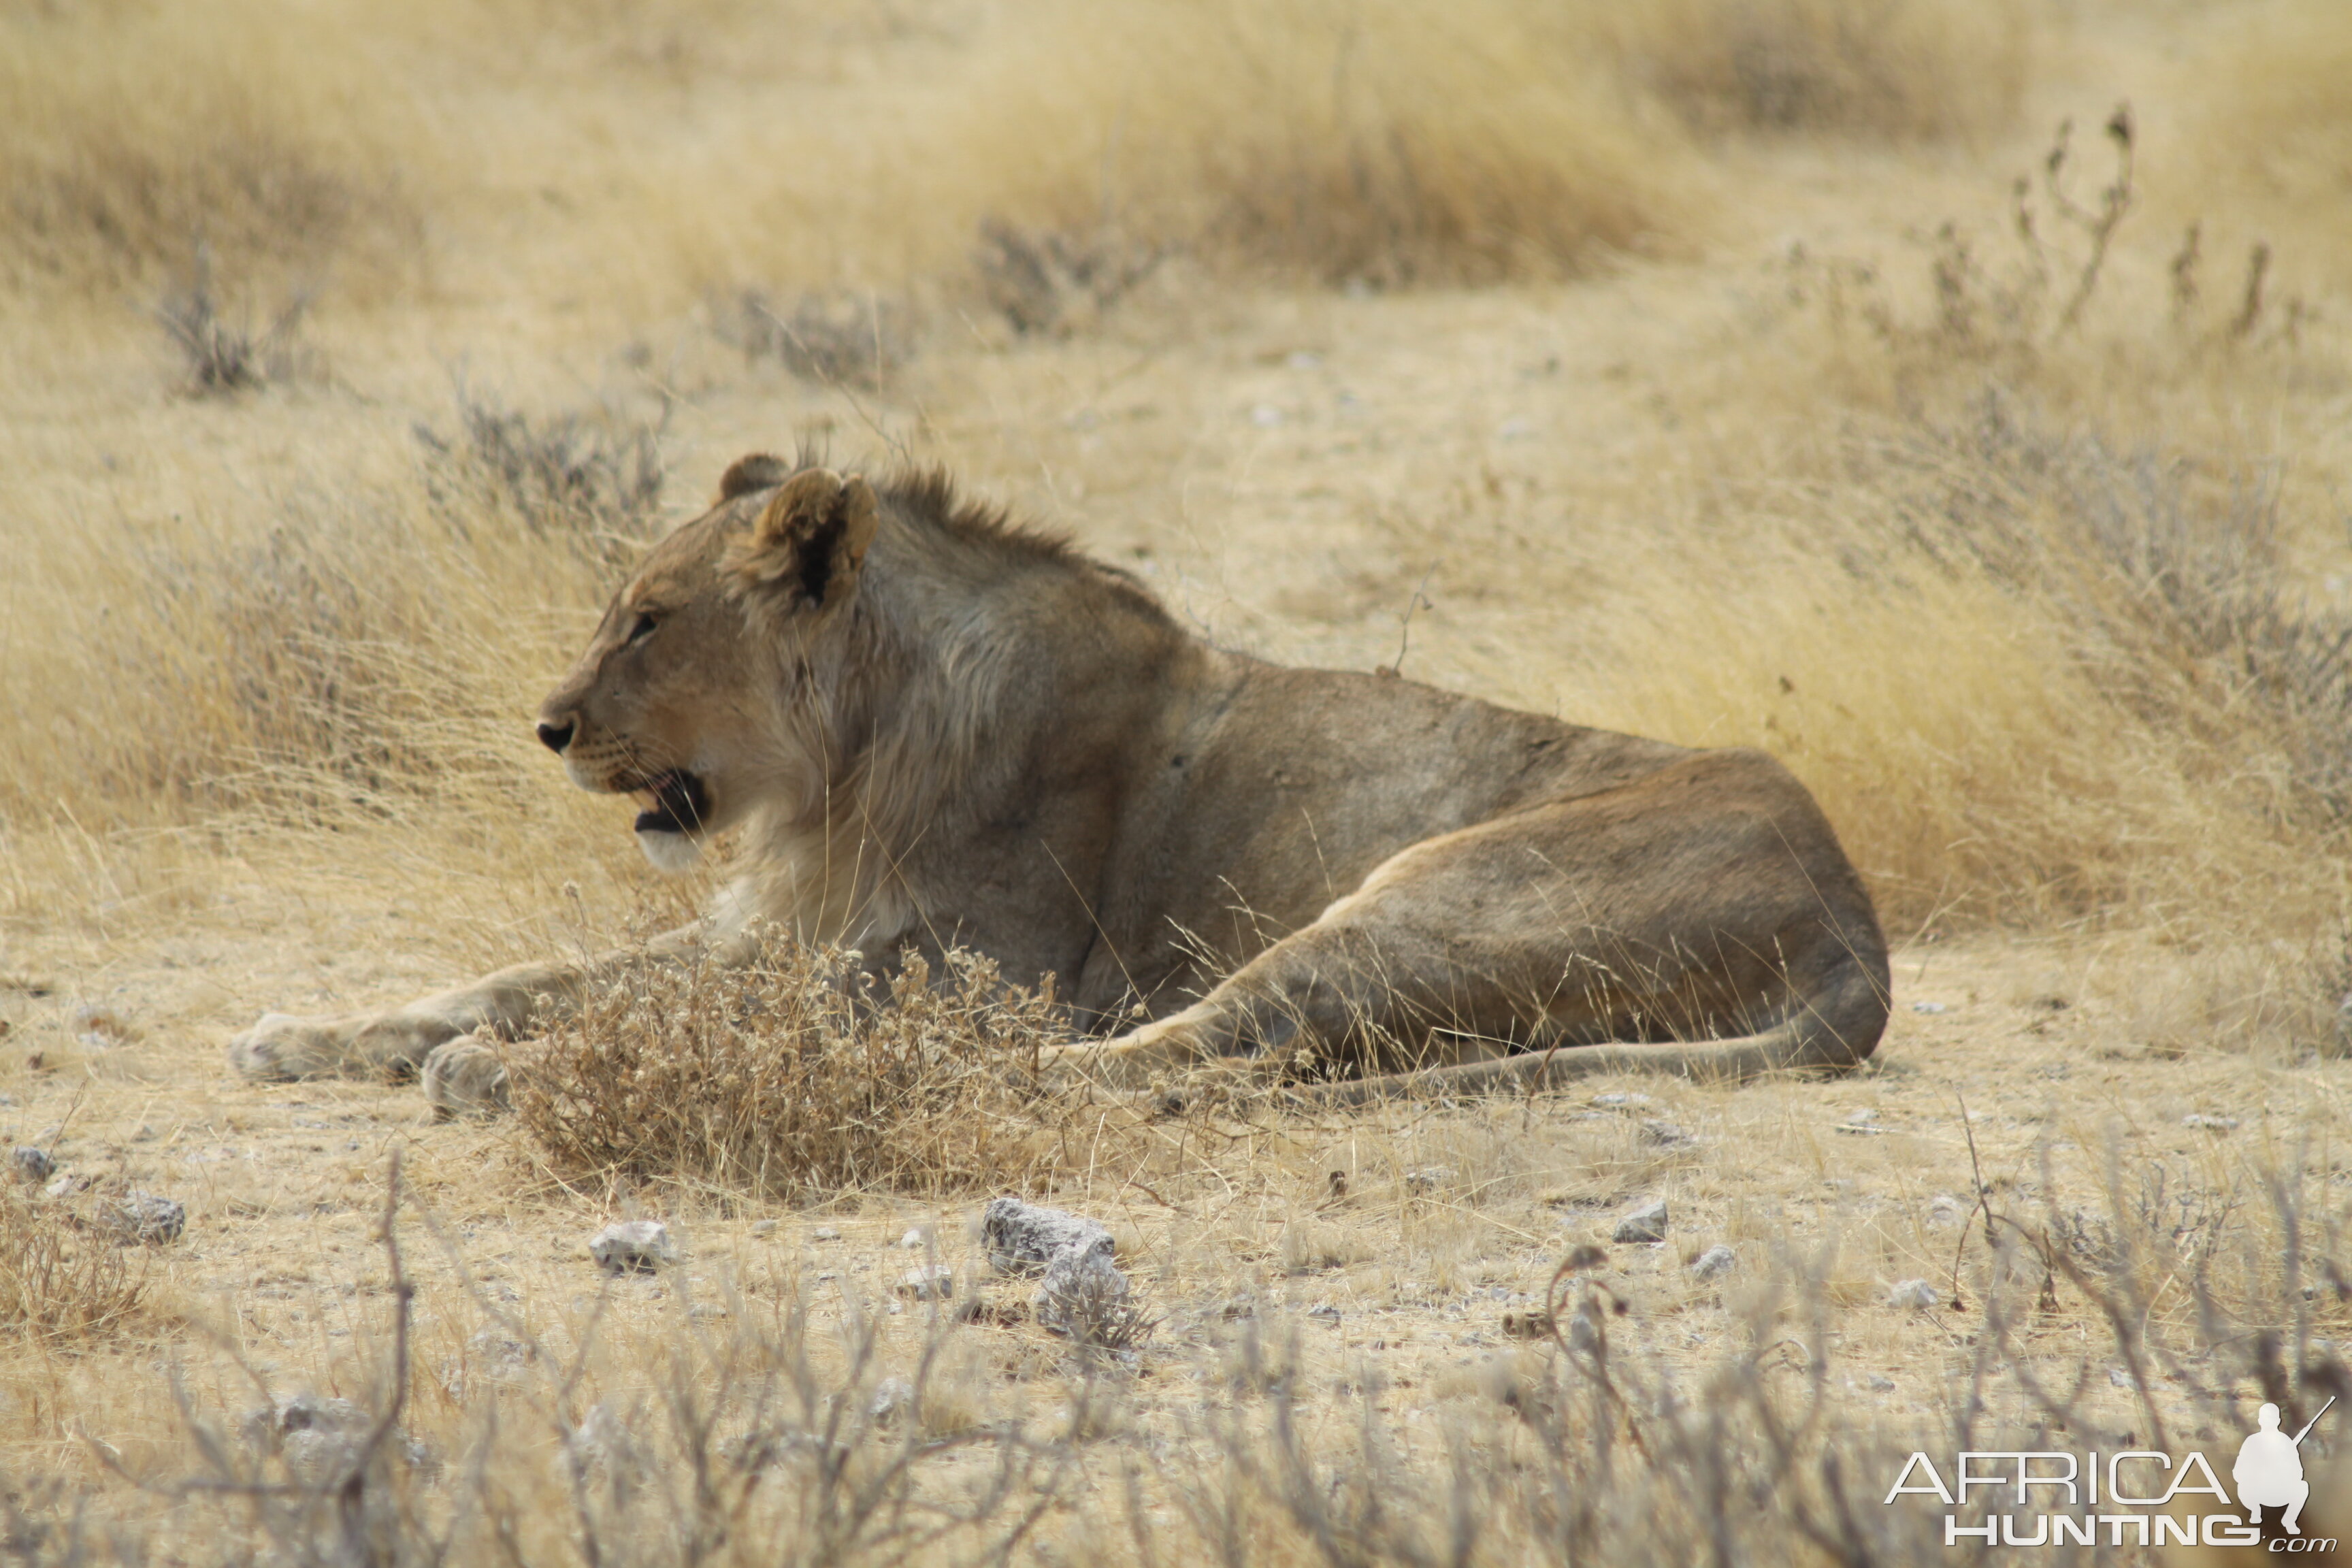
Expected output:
(1645, 1224)
(1913, 1294)
(1930, 1008)
(764, 1227)
(32, 1164)
(1427, 1180)
(66, 1186)
(1715, 1262)
(2210, 1123)
(634, 1247)
(1266, 417)
(893, 1397)
(1618, 1101)
(933, 1282)
(917, 1239)
(825, 1233)
(1665, 1135)
(1325, 1313)
(1881, 1384)
(150, 1220)
(1945, 1211)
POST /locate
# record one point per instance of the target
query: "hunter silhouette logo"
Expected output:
(2138, 1497)
(2269, 1471)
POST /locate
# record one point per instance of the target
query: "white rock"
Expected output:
(917, 1239)
(893, 1397)
(1645, 1224)
(147, 1218)
(1024, 1238)
(1945, 1211)
(1916, 1294)
(633, 1245)
(1715, 1262)
(1082, 1293)
(1427, 1180)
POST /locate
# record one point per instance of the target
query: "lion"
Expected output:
(922, 726)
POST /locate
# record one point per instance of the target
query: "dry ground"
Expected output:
(1650, 388)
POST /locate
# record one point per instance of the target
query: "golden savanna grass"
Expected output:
(1684, 368)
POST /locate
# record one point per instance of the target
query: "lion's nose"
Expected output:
(555, 737)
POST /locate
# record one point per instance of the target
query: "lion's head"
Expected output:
(676, 699)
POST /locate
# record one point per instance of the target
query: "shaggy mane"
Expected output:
(928, 498)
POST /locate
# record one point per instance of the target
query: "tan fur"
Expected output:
(928, 728)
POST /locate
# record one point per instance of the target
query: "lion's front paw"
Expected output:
(466, 1077)
(284, 1046)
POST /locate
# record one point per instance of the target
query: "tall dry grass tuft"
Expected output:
(799, 1078)
(1381, 144)
(1908, 69)
(130, 134)
(261, 657)
(63, 1280)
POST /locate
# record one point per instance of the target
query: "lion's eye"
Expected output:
(643, 629)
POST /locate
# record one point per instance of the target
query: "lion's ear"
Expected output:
(759, 471)
(811, 539)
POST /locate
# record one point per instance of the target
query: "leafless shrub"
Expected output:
(62, 1280)
(223, 357)
(803, 1074)
(2173, 577)
(590, 478)
(1051, 283)
(839, 338)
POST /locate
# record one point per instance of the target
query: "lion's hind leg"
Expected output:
(1699, 921)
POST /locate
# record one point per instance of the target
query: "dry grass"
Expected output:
(2041, 586)
(2132, 1291)
(799, 1079)
(1908, 69)
(134, 134)
(1383, 145)
(63, 1280)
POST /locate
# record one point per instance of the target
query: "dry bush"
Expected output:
(129, 132)
(838, 339)
(1389, 144)
(222, 357)
(592, 479)
(798, 1076)
(1923, 69)
(62, 1281)
(2153, 1309)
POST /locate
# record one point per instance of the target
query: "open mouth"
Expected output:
(676, 802)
